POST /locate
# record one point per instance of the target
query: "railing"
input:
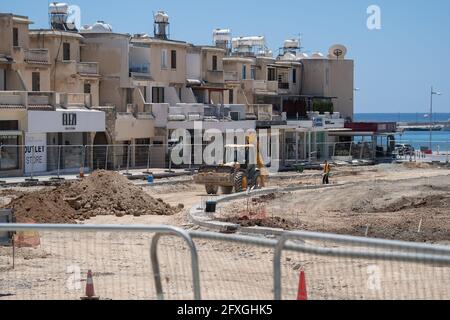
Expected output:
(283, 85)
(140, 68)
(90, 68)
(214, 76)
(37, 55)
(231, 76)
(163, 262)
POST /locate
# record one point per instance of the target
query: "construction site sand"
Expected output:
(101, 193)
(121, 265)
(389, 204)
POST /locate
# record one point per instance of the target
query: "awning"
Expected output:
(193, 82)
(11, 133)
(12, 106)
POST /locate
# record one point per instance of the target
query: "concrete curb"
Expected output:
(199, 217)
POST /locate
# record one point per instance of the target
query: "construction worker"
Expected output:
(326, 173)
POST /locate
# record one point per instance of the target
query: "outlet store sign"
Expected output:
(66, 121)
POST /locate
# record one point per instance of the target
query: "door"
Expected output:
(2, 80)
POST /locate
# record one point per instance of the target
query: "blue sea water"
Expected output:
(440, 139)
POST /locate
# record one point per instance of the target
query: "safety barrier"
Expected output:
(127, 263)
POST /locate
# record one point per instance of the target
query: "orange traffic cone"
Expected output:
(81, 176)
(90, 292)
(302, 291)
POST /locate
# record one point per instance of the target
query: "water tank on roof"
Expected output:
(222, 35)
(98, 27)
(302, 55)
(58, 8)
(292, 44)
(161, 17)
(317, 55)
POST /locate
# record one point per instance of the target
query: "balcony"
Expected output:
(87, 68)
(75, 100)
(231, 76)
(261, 86)
(139, 69)
(214, 76)
(260, 112)
(40, 56)
(283, 85)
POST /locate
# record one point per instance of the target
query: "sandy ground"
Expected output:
(121, 262)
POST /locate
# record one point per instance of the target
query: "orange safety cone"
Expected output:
(81, 176)
(302, 291)
(90, 292)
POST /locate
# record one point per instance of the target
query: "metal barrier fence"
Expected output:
(57, 160)
(48, 262)
(156, 262)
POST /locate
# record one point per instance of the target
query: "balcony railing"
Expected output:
(283, 85)
(214, 76)
(143, 68)
(230, 76)
(90, 68)
(37, 56)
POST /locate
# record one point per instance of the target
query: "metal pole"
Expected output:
(148, 158)
(32, 163)
(106, 160)
(431, 119)
(59, 161)
(446, 160)
(127, 173)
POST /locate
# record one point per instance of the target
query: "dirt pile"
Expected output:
(102, 193)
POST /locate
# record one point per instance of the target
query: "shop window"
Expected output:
(36, 81)
(173, 59)
(66, 51)
(9, 153)
(15, 37)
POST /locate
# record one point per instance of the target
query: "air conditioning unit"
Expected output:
(235, 116)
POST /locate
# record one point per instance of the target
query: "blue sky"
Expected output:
(394, 66)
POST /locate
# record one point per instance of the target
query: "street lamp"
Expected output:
(433, 93)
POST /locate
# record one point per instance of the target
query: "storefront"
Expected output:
(10, 140)
(56, 140)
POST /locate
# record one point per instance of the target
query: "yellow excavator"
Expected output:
(238, 175)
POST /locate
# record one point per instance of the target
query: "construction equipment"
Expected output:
(238, 175)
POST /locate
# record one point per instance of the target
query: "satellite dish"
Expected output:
(337, 51)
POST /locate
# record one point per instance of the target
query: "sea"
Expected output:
(418, 139)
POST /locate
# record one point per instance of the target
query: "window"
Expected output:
(2, 79)
(214, 63)
(231, 96)
(244, 72)
(36, 81)
(158, 95)
(164, 59)
(294, 75)
(66, 51)
(253, 73)
(129, 96)
(271, 74)
(15, 37)
(9, 125)
(87, 88)
(9, 155)
(173, 59)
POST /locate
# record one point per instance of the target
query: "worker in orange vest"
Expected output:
(326, 173)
